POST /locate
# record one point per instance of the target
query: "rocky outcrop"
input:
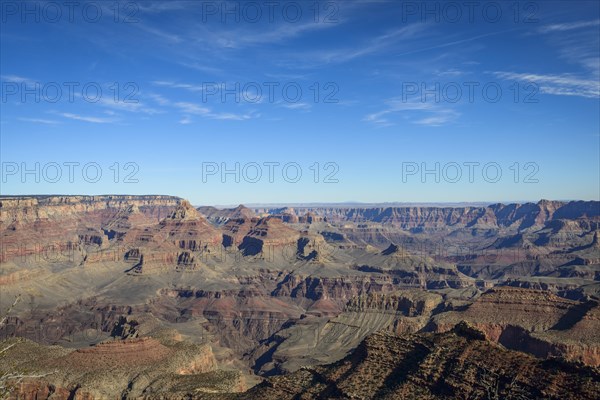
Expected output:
(237, 319)
(410, 303)
(532, 321)
(125, 352)
(534, 310)
(59, 228)
(222, 216)
(521, 216)
(453, 365)
(276, 293)
(128, 367)
(315, 340)
(339, 288)
(24, 209)
(267, 232)
(31, 389)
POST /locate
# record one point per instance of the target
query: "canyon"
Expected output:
(150, 297)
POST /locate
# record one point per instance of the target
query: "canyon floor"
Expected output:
(127, 297)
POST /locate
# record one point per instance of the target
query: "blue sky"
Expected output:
(367, 93)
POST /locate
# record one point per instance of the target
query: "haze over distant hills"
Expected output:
(347, 204)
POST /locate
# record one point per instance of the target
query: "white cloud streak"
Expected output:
(94, 120)
(562, 85)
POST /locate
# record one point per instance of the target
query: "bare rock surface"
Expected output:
(150, 297)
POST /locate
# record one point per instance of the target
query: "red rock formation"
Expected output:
(520, 216)
(58, 227)
(268, 232)
(533, 321)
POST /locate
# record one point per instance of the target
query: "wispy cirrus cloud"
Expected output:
(568, 26)
(159, 99)
(421, 49)
(202, 68)
(561, 85)
(166, 36)
(162, 6)
(234, 116)
(187, 109)
(128, 106)
(17, 79)
(442, 117)
(185, 120)
(177, 85)
(274, 30)
(374, 45)
(242, 38)
(578, 43)
(280, 33)
(379, 119)
(84, 118)
(221, 29)
(192, 108)
(297, 106)
(196, 109)
(40, 121)
(413, 110)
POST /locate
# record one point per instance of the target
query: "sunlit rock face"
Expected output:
(181, 300)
